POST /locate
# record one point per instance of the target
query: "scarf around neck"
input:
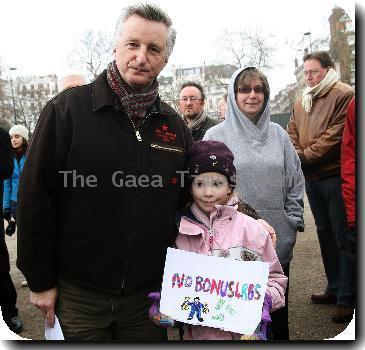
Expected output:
(310, 92)
(135, 104)
(197, 122)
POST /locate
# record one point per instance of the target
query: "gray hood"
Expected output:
(238, 122)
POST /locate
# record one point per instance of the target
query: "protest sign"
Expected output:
(213, 291)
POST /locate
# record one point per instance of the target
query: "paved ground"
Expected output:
(307, 321)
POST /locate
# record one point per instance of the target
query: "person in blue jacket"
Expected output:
(19, 136)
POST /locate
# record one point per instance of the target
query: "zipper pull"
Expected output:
(210, 239)
(138, 135)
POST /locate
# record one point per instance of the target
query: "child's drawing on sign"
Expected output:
(196, 308)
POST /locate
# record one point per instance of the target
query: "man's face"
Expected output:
(314, 73)
(190, 102)
(141, 51)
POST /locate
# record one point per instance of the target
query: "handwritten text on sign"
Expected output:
(213, 291)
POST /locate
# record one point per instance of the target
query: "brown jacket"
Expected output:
(317, 135)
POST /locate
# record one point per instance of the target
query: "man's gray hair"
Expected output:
(151, 13)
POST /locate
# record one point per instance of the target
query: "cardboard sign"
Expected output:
(213, 291)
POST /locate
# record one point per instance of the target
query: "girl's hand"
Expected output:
(155, 315)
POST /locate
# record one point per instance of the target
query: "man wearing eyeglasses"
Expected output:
(315, 129)
(191, 106)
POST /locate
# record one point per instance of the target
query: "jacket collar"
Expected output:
(104, 96)
(193, 220)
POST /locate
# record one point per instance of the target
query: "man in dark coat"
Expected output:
(8, 294)
(100, 189)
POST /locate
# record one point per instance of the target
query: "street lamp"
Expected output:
(12, 93)
(310, 41)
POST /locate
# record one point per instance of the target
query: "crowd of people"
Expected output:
(92, 254)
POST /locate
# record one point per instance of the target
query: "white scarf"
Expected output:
(309, 92)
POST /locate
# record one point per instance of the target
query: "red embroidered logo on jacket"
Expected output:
(165, 134)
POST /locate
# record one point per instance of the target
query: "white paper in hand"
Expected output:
(54, 333)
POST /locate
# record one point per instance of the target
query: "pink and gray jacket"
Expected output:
(231, 234)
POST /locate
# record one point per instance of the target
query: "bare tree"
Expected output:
(28, 105)
(92, 53)
(245, 48)
(169, 91)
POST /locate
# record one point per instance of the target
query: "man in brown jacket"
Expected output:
(315, 129)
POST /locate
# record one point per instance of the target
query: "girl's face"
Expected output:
(209, 189)
(16, 140)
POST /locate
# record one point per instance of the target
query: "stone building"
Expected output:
(30, 94)
(342, 45)
(341, 50)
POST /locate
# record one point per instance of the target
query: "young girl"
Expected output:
(19, 140)
(226, 231)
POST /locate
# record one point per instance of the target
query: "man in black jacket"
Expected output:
(191, 105)
(8, 294)
(100, 188)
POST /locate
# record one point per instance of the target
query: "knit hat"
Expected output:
(20, 130)
(211, 156)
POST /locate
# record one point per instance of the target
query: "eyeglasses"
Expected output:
(311, 72)
(247, 90)
(191, 98)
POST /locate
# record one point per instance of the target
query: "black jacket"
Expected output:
(199, 133)
(112, 234)
(6, 170)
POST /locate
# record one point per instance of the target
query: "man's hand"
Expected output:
(46, 302)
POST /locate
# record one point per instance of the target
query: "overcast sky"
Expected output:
(37, 36)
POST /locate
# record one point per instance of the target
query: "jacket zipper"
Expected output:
(165, 148)
(139, 139)
(136, 130)
(203, 226)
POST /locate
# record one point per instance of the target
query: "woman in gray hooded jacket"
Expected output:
(269, 175)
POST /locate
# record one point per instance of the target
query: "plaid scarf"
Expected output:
(135, 104)
(197, 122)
